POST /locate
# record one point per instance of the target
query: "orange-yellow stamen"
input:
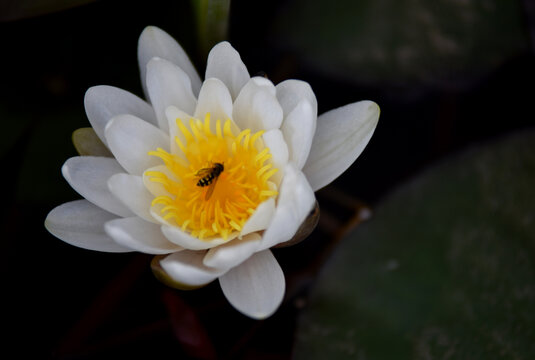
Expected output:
(220, 204)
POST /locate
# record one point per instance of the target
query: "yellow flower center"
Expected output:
(215, 180)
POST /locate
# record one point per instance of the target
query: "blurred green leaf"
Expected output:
(20, 9)
(444, 270)
(400, 42)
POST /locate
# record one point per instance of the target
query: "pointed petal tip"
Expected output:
(81, 224)
(341, 136)
(224, 62)
(372, 109)
(256, 287)
(152, 34)
(373, 106)
(92, 90)
(223, 43)
(150, 28)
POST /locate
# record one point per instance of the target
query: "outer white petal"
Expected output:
(232, 253)
(274, 140)
(88, 175)
(81, 223)
(257, 107)
(130, 139)
(131, 191)
(179, 237)
(341, 135)
(292, 92)
(298, 129)
(168, 85)
(261, 218)
(256, 287)
(140, 235)
(300, 113)
(186, 267)
(295, 201)
(225, 63)
(215, 99)
(154, 42)
(104, 102)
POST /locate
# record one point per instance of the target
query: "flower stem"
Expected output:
(212, 22)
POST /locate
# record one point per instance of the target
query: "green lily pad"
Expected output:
(400, 42)
(444, 270)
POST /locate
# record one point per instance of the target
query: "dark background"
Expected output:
(68, 303)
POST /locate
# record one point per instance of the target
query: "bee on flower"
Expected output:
(208, 177)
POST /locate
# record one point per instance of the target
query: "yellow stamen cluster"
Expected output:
(225, 201)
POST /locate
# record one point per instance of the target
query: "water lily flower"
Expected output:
(207, 174)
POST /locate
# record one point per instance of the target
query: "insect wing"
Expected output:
(203, 172)
(210, 190)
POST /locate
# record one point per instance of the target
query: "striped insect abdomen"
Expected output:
(211, 174)
(207, 180)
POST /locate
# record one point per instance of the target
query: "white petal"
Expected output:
(292, 92)
(89, 175)
(215, 99)
(232, 253)
(81, 223)
(179, 237)
(257, 107)
(186, 267)
(168, 85)
(261, 217)
(154, 42)
(266, 83)
(130, 139)
(341, 135)
(131, 191)
(256, 287)
(104, 102)
(300, 109)
(274, 140)
(294, 203)
(224, 63)
(298, 129)
(140, 235)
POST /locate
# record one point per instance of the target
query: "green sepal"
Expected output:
(87, 143)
